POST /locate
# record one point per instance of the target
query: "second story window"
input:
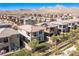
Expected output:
(28, 33)
(72, 23)
(69, 23)
(34, 33)
(77, 22)
(40, 32)
(5, 40)
(51, 29)
(0, 40)
(60, 26)
(64, 26)
(21, 21)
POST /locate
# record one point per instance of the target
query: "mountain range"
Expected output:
(44, 10)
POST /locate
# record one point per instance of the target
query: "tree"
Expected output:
(64, 36)
(54, 40)
(35, 15)
(72, 32)
(39, 15)
(33, 44)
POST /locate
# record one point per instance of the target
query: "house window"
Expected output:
(52, 29)
(64, 26)
(28, 33)
(26, 20)
(5, 40)
(21, 21)
(60, 25)
(1, 40)
(31, 17)
(40, 38)
(34, 33)
(72, 23)
(40, 32)
(77, 22)
(69, 23)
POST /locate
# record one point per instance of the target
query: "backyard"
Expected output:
(59, 43)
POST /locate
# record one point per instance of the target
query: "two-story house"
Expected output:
(9, 38)
(31, 32)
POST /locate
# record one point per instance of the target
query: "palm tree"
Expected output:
(72, 36)
(33, 44)
(72, 32)
(54, 40)
(63, 36)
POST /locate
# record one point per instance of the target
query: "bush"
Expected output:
(42, 47)
(21, 53)
(33, 43)
(77, 47)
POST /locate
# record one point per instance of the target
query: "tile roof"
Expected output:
(49, 24)
(63, 22)
(6, 32)
(4, 23)
(30, 28)
(59, 22)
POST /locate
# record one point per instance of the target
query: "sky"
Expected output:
(11, 6)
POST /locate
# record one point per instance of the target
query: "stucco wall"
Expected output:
(14, 39)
